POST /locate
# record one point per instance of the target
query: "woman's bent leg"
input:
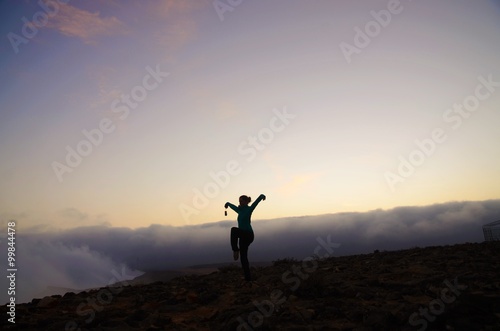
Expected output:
(234, 238)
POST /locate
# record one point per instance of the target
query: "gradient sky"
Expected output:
(229, 74)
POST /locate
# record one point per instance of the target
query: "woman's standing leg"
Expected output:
(246, 238)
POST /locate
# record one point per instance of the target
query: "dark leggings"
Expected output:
(246, 238)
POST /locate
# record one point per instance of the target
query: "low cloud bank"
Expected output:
(96, 256)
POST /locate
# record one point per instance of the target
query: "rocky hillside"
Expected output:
(434, 288)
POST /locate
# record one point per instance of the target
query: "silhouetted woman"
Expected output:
(244, 231)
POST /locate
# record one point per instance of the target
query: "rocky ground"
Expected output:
(434, 288)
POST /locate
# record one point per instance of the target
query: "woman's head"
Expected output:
(245, 200)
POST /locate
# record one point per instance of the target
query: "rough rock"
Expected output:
(435, 288)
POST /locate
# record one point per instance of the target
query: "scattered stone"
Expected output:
(45, 302)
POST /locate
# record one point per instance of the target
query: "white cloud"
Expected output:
(86, 256)
(83, 24)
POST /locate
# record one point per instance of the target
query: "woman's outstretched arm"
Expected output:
(259, 199)
(233, 207)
